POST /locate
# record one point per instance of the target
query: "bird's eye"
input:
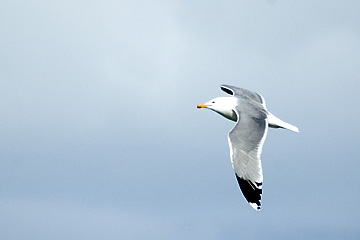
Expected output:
(213, 101)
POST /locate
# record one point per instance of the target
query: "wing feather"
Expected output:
(243, 93)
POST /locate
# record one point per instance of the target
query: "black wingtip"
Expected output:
(227, 90)
(252, 191)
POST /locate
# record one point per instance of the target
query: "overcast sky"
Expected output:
(100, 137)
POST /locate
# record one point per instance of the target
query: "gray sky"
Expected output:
(100, 137)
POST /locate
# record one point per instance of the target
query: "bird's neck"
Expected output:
(229, 114)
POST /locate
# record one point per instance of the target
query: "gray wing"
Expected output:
(246, 140)
(243, 93)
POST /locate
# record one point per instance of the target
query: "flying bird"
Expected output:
(247, 138)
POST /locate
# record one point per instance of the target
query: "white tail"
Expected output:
(275, 122)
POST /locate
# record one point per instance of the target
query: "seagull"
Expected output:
(247, 138)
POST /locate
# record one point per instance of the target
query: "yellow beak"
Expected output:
(201, 106)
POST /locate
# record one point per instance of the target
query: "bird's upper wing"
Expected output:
(246, 140)
(243, 93)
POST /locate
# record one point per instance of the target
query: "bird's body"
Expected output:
(246, 139)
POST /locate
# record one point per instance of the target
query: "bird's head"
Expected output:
(222, 105)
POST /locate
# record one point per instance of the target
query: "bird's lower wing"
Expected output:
(246, 141)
